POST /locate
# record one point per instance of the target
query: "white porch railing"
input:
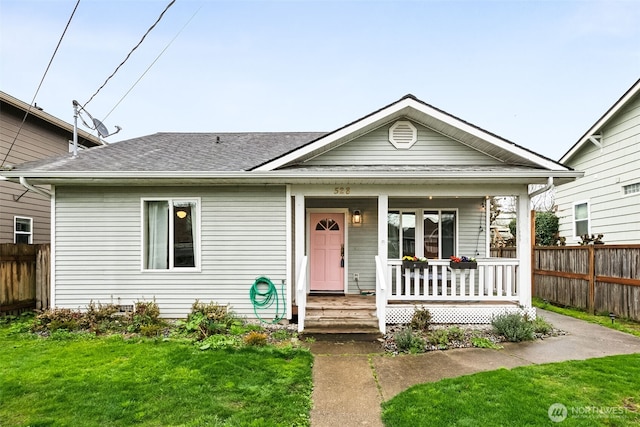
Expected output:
(381, 292)
(494, 280)
(301, 293)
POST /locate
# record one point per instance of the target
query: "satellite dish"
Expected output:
(101, 128)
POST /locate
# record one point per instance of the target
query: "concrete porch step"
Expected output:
(340, 325)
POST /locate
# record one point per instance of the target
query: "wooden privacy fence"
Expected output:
(24, 277)
(598, 278)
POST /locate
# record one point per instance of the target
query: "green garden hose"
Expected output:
(264, 299)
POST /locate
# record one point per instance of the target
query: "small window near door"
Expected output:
(581, 219)
(22, 230)
(327, 224)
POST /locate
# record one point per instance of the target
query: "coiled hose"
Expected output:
(264, 299)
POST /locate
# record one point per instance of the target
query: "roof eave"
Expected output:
(289, 177)
(598, 125)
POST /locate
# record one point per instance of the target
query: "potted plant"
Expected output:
(462, 263)
(414, 262)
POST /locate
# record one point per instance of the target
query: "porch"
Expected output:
(451, 296)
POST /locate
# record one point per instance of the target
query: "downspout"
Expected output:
(40, 191)
(539, 191)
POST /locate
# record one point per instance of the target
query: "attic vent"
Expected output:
(403, 134)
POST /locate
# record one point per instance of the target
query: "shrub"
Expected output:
(439, 338)
(257, 339)
(514, 327)
(456, 333)
(209, 319)
(101, 318)
(482, 342)
(541, 326)
(406, 340)
(546, 228)
(421, 319)
(145, 314)
(57, 318)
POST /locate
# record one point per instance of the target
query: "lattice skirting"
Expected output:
(464, 314)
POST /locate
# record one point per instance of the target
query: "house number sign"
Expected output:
(342, 190)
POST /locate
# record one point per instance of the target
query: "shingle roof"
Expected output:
(168, 152)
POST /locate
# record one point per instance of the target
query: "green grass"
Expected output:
(622, 325)
(80, 379)
(522, 396)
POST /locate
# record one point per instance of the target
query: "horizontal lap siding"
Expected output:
(98, 248)
(431, 148)
(606, 172)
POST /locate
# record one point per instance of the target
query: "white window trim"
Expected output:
(16, 232)
(573, 218)
(419, 233)
(635, 193)
(197, 242)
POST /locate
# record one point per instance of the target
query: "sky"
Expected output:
(538, 73)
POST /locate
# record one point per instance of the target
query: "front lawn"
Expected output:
(82, 379)
(594, 392)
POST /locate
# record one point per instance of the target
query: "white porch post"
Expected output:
(291, 277)
(381, 262)
(523, 248)
(300, 220)
(383, 231)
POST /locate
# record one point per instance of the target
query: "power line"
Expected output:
(153, 63)
(130, 52)
(24, 119)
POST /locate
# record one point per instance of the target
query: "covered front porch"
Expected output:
(452, 295)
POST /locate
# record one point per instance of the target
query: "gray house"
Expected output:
(177, 217)
(607, 199)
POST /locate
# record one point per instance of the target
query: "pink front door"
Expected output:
(326, 260)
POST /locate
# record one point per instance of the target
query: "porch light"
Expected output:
(181, 214)
(356, 217)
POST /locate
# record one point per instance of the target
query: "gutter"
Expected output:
(40, 191)
(539, 191)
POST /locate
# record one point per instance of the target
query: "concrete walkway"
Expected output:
(351, 379)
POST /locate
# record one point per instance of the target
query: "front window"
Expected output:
(170, 234)
(22, 230)
(437, 231)
(581, 219)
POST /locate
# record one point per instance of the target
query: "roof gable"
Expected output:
(603, 121)
(411, 108)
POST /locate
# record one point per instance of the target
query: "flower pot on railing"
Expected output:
(415, 264)
(463, 265)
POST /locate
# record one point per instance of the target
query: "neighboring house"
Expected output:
(607, 199)
(25, 215)
(177, 217)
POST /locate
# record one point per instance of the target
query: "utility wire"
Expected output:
(153, 63)
(24, 119)
(130, 52)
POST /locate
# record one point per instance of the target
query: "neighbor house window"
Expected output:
(22, 229)
(170, 234)
(581, 218)
(437, 231)
(631, 188)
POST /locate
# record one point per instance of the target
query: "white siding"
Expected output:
(98, 247)
(606, 171)
(431, 148)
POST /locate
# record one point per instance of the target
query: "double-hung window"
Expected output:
(580, 219)
(436, 229)
(170, 234)
(22, 229)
